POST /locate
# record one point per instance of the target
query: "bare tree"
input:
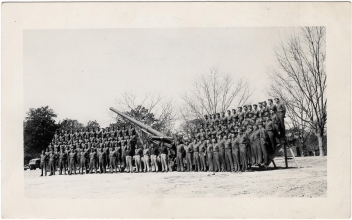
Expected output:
(212, 93)
(162, 110)
(301, 77)
(130, 100)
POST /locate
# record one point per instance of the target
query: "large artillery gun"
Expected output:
(170, 142)
(154, 134)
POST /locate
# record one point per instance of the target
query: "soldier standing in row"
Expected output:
(214, 148)
(179, 149)
(43, 162)
(72, 161)
(62, 161)
(189, 151)
(146, 154)
(269, 127)
(228, 154)
(164, 157)
(202, 155)
(209, 154)
(102, 161)
(281, 112)
(93, 158)
(112, 157)
(243, 141)
(265, 112)
(196, 159)
(118, 155)
(263, 145)
(82, 161)
(221, 144)
(235, 153)
(153, 155)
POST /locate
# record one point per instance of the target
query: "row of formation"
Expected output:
(234, 142)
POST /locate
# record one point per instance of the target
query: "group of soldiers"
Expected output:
(222, 143)
(236, 141)
(89, 149)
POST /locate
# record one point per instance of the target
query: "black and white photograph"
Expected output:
(165, 110)
(202, 112)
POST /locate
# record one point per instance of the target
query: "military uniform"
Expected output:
(207, 121)
(102, 161)
(72, 161)
(229, 117)
(82, 160)
(146, 159)
(263, 144)
(256, 150)
(202, 156)
(236, 154)
(240, 114)
(272, 106)
(43, 163)
(123, 154)
(78, 158)
(221, 145)
(189, 152)
(62, 162)
(249, 146)
(269, 127)
(112, 157)
(216, 158)
(137, 159)
(210, 157)
(129, 153)
(196, 159)
(281, 112)
(228, 155)
(93, 158)
(179, 149)
(223, 118)
(118, 154)
(164, 157)
(243, 141)
(264, 112)
(153, 155)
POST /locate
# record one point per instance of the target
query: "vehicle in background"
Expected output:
(26, 167)
(34, 164)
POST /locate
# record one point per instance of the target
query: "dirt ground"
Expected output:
(308, 181)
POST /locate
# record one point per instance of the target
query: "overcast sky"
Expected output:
(80, 73)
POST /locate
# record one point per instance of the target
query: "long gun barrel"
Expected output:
(165, 139)
(145, 127)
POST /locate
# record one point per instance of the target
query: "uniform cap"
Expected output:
(270, 100)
